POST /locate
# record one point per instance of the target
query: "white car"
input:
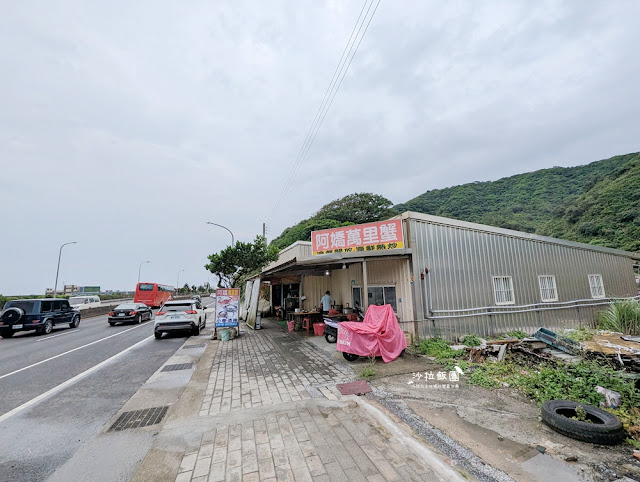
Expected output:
(180, 315)
(84, 302)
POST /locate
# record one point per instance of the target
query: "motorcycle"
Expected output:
(331, 324)
(378, 335)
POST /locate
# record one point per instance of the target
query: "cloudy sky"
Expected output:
(125, 126)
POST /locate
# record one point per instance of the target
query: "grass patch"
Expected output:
(580, 334)
(471, 340)
(621, 316)
(368, 371)
(560, 381)
(520, 335)
(440, 349)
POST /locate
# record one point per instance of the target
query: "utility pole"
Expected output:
(264, 230)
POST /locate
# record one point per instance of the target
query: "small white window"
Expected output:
(597, 288)
(548, 290)
(503, 290)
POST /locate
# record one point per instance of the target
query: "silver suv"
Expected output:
(180, 315)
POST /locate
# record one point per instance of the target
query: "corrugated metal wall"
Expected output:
(462, 262)
(299, 250)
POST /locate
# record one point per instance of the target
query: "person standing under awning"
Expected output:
(326, 301)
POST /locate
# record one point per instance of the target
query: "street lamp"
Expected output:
(55, 286)
(140, 267)
(221, 226)
(178, 280)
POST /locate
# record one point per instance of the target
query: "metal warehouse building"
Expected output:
(449, 278)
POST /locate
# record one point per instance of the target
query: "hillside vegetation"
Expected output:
(598, 203)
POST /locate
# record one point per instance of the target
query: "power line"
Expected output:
(327, 94)
(330, 94)
(335, 92)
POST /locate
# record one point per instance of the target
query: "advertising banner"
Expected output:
(361, 237)
(227, 307)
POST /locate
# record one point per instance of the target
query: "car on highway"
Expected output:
(84, 302)
(40, 315)
(130, 312)
(196, 297)
(180, 315)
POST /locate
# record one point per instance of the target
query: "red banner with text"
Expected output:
(361, 237)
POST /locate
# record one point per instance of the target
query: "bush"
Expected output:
(471, 340)
(439, 348)
(621, 316)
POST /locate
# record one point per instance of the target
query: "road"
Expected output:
(58, 391)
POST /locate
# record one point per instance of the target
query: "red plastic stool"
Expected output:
(306, 324)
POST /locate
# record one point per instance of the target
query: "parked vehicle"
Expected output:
(126, 312)
(152, 294)
(180, 315)
(331, 323)
(197, 297)
(36, 314)
(378, 335)
(84, 302)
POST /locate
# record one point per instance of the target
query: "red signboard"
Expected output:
(361, 237)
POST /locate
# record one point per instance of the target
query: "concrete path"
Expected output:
(265, 407)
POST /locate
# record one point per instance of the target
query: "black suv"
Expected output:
(39, 315)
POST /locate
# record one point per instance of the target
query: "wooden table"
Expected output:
(315, 316)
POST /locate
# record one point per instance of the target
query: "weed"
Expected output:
(440, 349)
(520, 335)
(560, 381)
(581, 415)
(471, 340)
(621, 316)
(367, 372)
(580, 334)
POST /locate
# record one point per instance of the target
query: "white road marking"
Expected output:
(70, 351)
(59, 334)
(63, 385)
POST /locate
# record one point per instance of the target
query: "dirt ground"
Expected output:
(501, 426)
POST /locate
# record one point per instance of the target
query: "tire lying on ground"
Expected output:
(604, 428)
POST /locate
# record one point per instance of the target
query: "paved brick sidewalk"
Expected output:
(269, 367)
(272, 412)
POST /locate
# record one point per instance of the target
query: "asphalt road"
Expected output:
(58, 391)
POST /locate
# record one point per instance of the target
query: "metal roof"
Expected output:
(512, 233)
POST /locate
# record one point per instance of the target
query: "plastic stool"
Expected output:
(306, 324)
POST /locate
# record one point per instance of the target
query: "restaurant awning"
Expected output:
(318, 264)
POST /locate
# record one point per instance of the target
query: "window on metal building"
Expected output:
(548, 291)
(503, 290)
(597, 288)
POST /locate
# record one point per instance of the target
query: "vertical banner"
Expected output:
(253, 304)
(227, 307)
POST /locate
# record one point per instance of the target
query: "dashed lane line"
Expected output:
(70, 351)
(71, 381)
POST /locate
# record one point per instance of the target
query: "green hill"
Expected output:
(597, 203)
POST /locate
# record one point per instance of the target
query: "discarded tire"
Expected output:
(604, 428)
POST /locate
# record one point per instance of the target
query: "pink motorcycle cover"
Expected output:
(378, 334)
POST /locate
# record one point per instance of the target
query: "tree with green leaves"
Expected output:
(241, 260)
(357, 208)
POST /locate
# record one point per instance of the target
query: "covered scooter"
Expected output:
(378, 335)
